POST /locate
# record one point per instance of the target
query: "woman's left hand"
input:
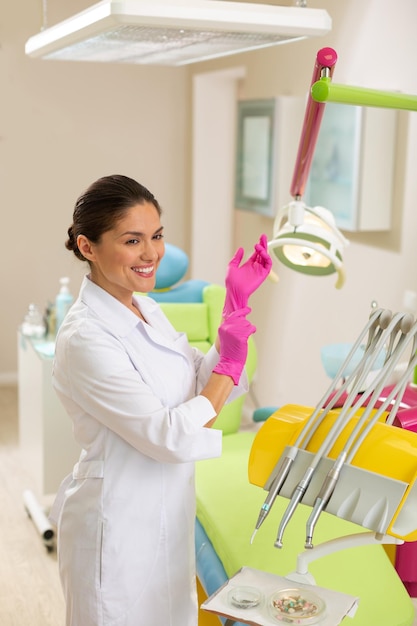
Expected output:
(242, 280)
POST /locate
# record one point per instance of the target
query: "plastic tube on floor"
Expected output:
(38, 517)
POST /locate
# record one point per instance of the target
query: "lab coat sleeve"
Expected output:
(96, 382)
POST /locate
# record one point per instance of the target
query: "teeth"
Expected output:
(145, 270)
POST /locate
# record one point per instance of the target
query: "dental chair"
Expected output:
(228, 506)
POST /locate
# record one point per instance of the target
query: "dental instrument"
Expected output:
(340, 423)
(379, 318)
(364, 424)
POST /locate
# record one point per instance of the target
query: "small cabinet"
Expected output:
(46, 439)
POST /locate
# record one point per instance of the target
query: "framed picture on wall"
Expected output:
(254, 181)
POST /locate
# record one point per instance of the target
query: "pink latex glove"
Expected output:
(242, 281)
(234, 333)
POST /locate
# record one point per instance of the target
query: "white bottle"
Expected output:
(33, 324)
(63, 302)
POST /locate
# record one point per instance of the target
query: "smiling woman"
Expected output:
(142, 401)
(127, 256)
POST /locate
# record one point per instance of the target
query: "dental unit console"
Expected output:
(348, 458)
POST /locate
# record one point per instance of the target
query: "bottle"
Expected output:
(50, 321)
(63, 302)
(33, 324)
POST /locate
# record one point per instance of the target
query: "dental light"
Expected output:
(173, 32)
(307, 239)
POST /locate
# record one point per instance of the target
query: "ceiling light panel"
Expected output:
(173, 32)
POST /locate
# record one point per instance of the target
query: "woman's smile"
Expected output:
(144, 270)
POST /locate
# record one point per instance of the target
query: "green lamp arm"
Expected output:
(324, 90)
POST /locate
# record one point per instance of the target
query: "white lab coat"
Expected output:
(126, 514)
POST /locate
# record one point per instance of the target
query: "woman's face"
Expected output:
(127, 257)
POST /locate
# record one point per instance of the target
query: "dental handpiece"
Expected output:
(273, 491)
(296, 498)
(323, 498)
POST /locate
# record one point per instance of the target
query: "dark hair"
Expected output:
(102, 205)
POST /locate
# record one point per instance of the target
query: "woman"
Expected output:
(142, 402)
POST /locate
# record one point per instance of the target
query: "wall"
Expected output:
(62, 125)
(300, 314)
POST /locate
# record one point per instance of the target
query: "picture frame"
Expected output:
(255, 155)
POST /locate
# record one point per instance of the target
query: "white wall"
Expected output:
(62, 125)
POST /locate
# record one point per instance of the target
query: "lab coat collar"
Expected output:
(115, 314)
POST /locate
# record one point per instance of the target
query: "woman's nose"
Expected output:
(150, 252)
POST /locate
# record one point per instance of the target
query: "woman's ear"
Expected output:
(85, 247)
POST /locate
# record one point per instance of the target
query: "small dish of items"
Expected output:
(244, 597)
(297, 606)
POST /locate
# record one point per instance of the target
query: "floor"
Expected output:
(30, 592)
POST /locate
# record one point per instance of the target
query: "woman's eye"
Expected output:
(158, 236)
(132, 241)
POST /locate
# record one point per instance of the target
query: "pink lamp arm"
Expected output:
(326, 58)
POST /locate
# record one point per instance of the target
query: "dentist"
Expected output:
(142, 402)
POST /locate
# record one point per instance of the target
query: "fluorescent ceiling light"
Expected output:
(173, 32)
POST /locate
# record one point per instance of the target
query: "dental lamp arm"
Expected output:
(323, 90)
(326, 58)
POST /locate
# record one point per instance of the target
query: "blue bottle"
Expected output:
(63, 302)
